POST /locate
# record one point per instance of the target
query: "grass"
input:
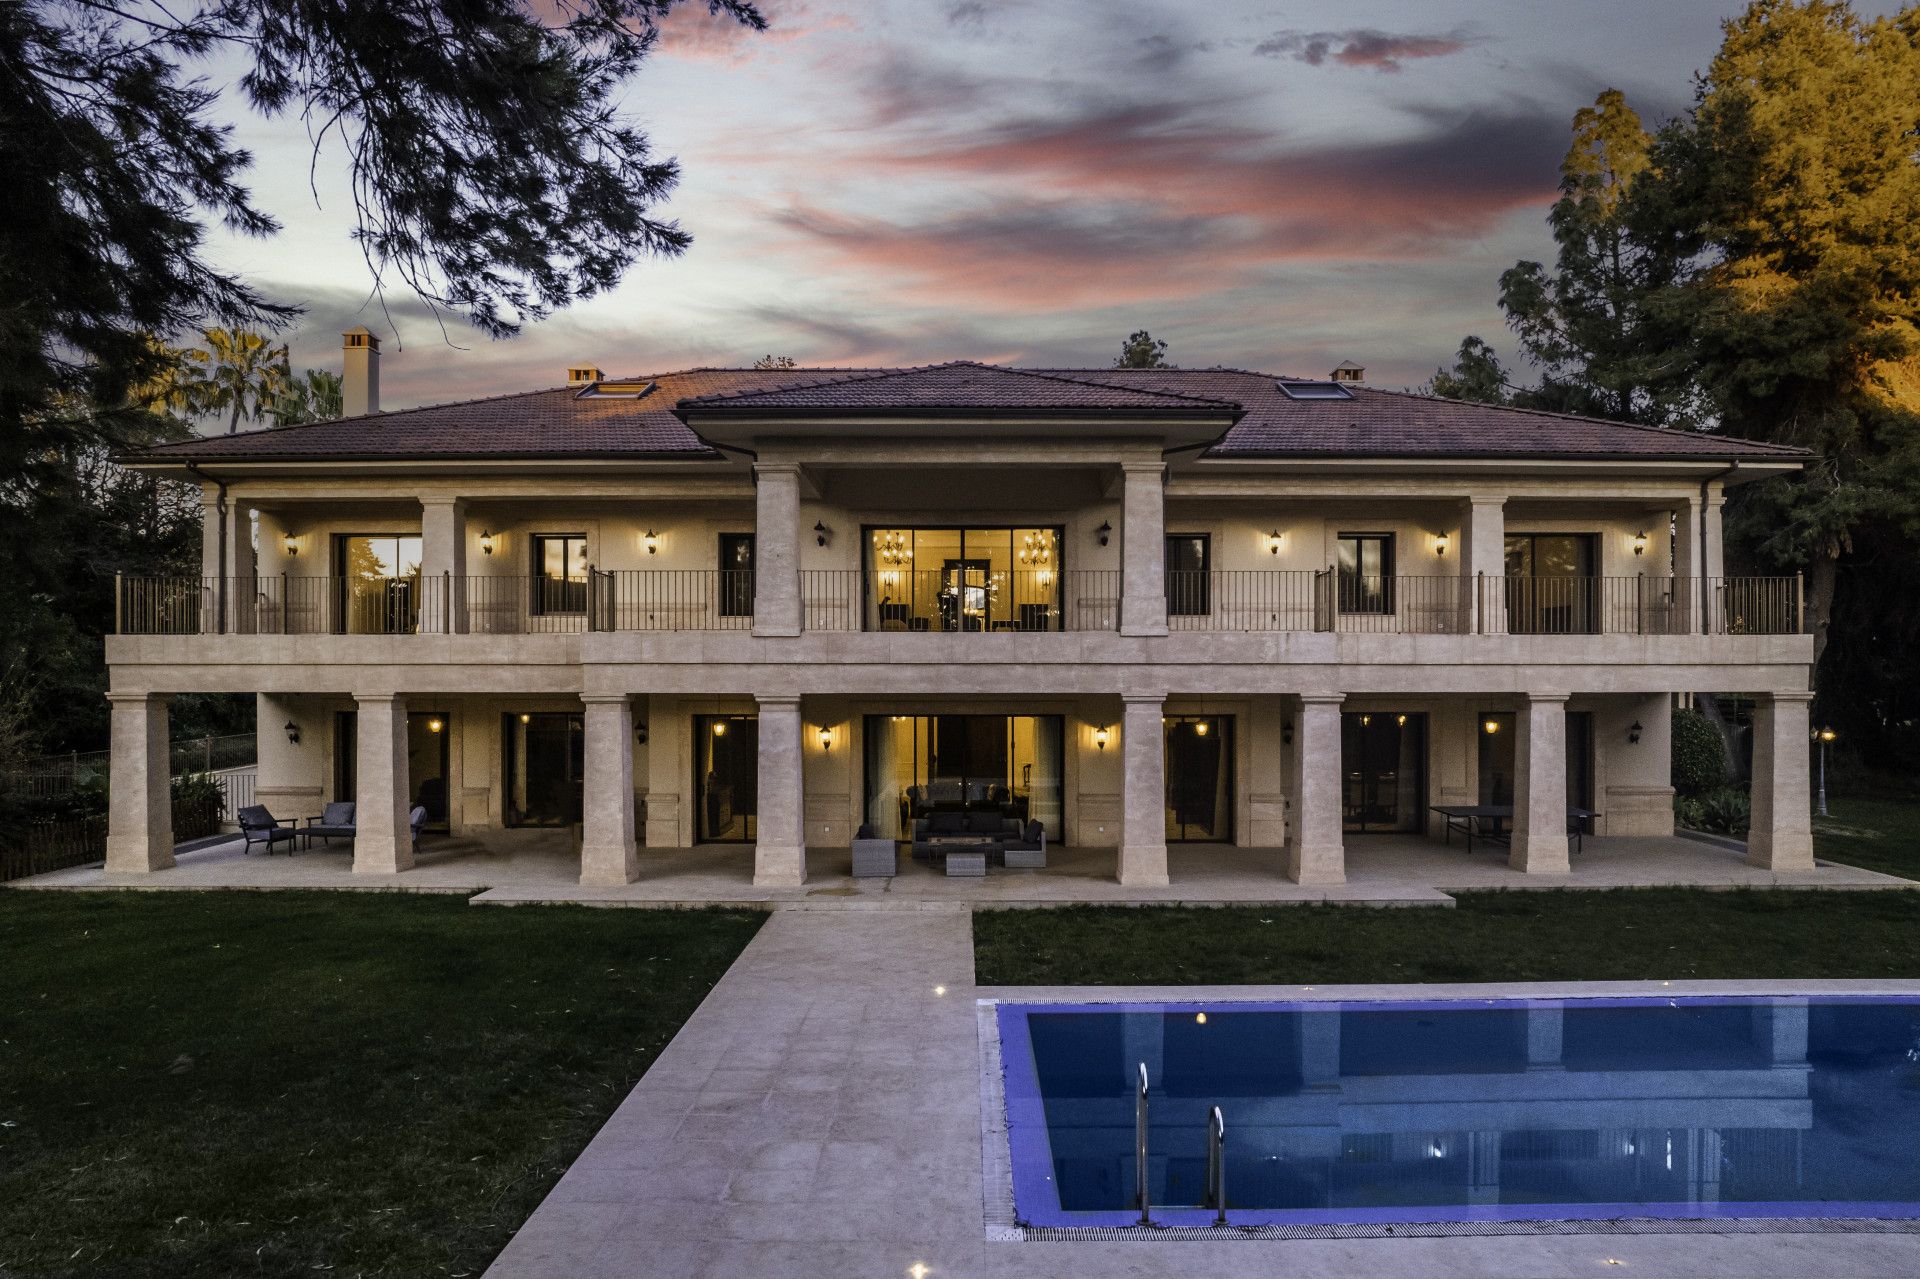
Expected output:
(1876, 834)
(214, 1084)
(1650, 933)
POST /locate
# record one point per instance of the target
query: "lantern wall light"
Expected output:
(486, 541)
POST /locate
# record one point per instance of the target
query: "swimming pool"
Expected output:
(1486, 1110)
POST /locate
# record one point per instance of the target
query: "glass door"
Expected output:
(544, 754)
(1199, 762)
(379, 584)
(428, 735)
(559, 574)
(726, 778)
(1383, 768)
(1551, 587)
(1004, 766)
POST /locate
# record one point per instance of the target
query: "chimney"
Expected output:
(582, 375)
(360, 372)
(1348, 371)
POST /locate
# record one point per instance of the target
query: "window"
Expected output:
(379, 583)
(560, 573)
(1363, 572)
(736, 575)
(1551, 588)
(1189, 557)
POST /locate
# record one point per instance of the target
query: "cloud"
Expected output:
(1361, 47)
(699, 35)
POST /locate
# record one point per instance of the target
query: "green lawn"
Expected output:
(1655, 933)
(1878, 834)
(214, 1084)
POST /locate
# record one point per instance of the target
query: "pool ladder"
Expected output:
(1216, 1196)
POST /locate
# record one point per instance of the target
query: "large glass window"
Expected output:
(998, 765)
(1199, 778)
(544, 753)
(736, 575)
(1363, 572)
(1189, 560)
(379, 576)
(726, 778)
(963, 579)
(559, 573)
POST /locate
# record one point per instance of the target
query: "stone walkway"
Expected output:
(819, 1116)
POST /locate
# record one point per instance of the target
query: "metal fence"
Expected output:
(963, 599)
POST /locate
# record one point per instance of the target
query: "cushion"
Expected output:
(983, 823)
(947, 824)
(1034, 831)
(865, 831)
(338, 814)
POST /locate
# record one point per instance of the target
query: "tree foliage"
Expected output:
(774, 362)
(1476, 375)
(1142, 350)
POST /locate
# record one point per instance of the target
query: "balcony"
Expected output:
(968, 602)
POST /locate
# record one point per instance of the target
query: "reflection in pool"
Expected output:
(1485, 1110)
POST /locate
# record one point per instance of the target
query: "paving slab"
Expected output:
(820, 1115)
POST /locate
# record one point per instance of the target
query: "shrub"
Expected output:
(197, 800)
(1699, 759)
(1725, 811)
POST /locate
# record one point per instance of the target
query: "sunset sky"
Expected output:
(1271, 186)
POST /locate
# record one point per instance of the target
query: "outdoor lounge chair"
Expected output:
(259, 826)
(1027, 850)
(336, 822)
(415, 820)
(873, 857)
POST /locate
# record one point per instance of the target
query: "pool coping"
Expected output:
(998, 1157)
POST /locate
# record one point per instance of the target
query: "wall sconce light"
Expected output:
(1273, 542)
(291, 544)
(820, 532)
(525, 718)
(1633, 733)
(1492, 726)
(652, 541)
(1200, 728)
(293, 732)
(1440, 545)
(640, 733)
(1104, 532)
(1640, 542)
(1100, 736)
(826, 738)
(1286, 733)
(1824, 734)
(720, 728)
(435, 725)
(486, 541)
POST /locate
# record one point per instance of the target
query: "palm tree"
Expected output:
(314, 396)
(241, 371)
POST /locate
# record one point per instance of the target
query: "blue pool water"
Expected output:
(1484, 1110)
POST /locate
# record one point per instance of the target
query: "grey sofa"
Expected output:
(1026, 850)
(334, 822)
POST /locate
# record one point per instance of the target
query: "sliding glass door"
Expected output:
(962, 579)
(1383, 769)
(1551, 587)
(1199, 778)
(726, 778)
(917, 765)
(379, 583)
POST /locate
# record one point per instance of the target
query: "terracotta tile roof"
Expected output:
(561, 423)
(959, 388)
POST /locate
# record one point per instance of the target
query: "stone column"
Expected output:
(1539, 845)
(1687, 563)
(776, 549)
(1714, 569)
(139, 801)
(1483, 562)
(780, 849)
(1780, 835)
(607, 852)
(1143, 791)
(383, 837)
(1143, 549)
(1316, 853)
(443, 564)
(212, 570)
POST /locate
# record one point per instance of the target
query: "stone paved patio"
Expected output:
(540, 866)
(819, 1115)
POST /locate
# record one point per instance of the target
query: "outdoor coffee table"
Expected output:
(963, 855)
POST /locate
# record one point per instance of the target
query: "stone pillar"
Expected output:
(1687, 564)
(1143, 791)
(212, 621)
(607, 852)
(780, 850)
(1483, 561)
(139, 801)
(443, 564)
(1780, 836)
(383, 838)
(776, 550)
(670, 814)
(1143, 549)
(1539, 845)
(1315, 851)
(1714, 569)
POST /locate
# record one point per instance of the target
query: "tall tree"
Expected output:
(1586, 323)
(1142, 350)
(1793, 182)
(239, 373)
(1476, 375)
(317, 395)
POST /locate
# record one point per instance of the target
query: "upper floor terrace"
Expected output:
(964, 500)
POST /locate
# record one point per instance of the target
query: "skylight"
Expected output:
(615, 390)
(1300, 389)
